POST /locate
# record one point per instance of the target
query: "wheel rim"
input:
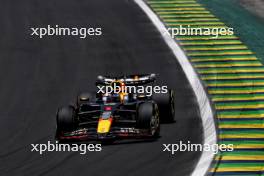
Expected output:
(154, 123)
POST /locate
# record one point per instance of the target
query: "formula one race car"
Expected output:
(118, 114)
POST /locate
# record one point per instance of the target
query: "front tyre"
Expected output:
(148, 118)
(66, 119)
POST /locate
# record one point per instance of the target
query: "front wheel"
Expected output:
(148, 118)
(66, 119)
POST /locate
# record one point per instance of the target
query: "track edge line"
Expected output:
(209, 129)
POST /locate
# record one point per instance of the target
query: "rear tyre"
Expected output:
(166, 105)
(84, 97)
(66, 119)
(148, 118)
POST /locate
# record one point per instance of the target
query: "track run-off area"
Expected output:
(234, 80)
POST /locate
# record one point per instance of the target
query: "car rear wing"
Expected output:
(127, 80)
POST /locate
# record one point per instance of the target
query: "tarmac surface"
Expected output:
(39, 75)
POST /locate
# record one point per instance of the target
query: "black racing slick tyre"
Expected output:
(148, 118)
(166, 105)
(84, 98)
(66, 118)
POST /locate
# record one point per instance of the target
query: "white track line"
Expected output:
(207, 116)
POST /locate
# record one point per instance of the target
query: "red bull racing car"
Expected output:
(118, 114)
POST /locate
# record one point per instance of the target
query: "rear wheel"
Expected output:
(148, 118)
(166, 105)
(84, 97)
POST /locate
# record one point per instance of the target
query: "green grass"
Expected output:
(248, 27)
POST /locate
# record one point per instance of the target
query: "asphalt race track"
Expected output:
(39, 75)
